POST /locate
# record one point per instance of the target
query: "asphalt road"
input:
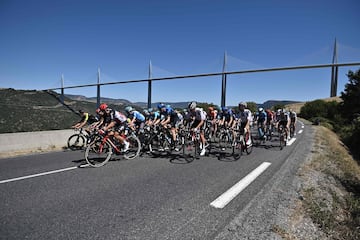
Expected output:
(46, 196)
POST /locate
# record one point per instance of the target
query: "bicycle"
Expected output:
(78, 140)
(240, 143)
(261, 134)
(225, 138)
(282, 136)
(100, 150)
(190, 141)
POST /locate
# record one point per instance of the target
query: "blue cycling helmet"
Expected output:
(160, 106)
(224, 109)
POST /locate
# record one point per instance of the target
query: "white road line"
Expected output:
(37, 175)
(300, 131)
(291, 141)
(230, 194)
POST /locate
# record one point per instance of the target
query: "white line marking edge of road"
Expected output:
(38, 174)
(232, 192)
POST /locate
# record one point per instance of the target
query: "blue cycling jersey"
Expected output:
(262, 117)
(138, 116)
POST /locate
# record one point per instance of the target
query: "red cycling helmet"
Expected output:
(103, 106)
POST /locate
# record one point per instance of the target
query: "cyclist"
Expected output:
(114, 119)
(293, 119)
(245, 119)
(261, 120)
(86, 118)
(169, 116)
(212, 116)
(269, 120)
(137, 119)
(153, 117)
(284, 120)
(226, 117)
(199, 117)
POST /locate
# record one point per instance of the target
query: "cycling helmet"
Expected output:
(103, 106)
(224, 109)
(243, 104)
(160, 105)
(210, 109)
(192, 105)
(261, 109)
(150, 110)
(128, 109)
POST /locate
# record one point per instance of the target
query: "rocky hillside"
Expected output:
(25, 111)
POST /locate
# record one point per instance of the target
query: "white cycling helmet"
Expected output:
(128, 109)
(192, 105)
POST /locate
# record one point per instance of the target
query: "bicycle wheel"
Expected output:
(134, 148)
(292, 130)
(97, 153)
(224, 142)
(249, 147)
(76, 142)
(282, 140)
(237, 148)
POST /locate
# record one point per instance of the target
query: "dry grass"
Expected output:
(331, 188)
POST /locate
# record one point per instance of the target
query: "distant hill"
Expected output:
(269, 104)
(94, 99)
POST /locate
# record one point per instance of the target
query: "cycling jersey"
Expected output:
(198, 115)
(138, 116)
(293, 116)
(244, 116)
(169, 112)
(227, 115)
(261, 117)
(116, 116)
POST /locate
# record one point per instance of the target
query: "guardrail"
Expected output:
(26, 142)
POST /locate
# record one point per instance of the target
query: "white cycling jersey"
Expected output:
(199, 114)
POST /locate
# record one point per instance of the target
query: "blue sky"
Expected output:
(41, 40)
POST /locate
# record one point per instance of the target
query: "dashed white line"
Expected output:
(37, 175)
(299, 132)
(230, 194)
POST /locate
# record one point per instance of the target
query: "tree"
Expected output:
(317, 108)
(252, 106)
(351, 96)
